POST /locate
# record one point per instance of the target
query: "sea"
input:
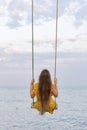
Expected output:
(16, 112)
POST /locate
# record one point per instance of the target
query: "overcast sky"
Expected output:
(15, 41)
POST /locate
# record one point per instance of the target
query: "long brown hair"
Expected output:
(44, 89)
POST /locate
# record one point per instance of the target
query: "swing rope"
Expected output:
(33, 41)
(33, 45)
(56, 42)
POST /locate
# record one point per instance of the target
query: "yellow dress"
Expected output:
(37, 104)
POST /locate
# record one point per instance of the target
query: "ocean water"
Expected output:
(16, 112)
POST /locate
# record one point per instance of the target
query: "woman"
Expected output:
(44, 90)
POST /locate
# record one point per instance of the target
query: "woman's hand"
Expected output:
(32, 82)
(31, 88)
(54, 89)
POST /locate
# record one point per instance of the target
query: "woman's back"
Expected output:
(43, 91)
(44, 88)
(49, 106)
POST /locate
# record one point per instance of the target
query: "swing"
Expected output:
(55, 62)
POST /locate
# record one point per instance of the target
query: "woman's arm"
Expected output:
(55, 89)
(31, 89)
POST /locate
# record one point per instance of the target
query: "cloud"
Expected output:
(13, 58)
(70, 36)
(15, 67)
(19, 11)
(45, 9)
(15, 40)
(2, 7)
(77, 9)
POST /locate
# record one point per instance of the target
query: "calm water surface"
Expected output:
(16, 114)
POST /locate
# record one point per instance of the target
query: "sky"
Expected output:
(16, 41)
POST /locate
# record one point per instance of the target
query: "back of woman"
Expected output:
(43, 90)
